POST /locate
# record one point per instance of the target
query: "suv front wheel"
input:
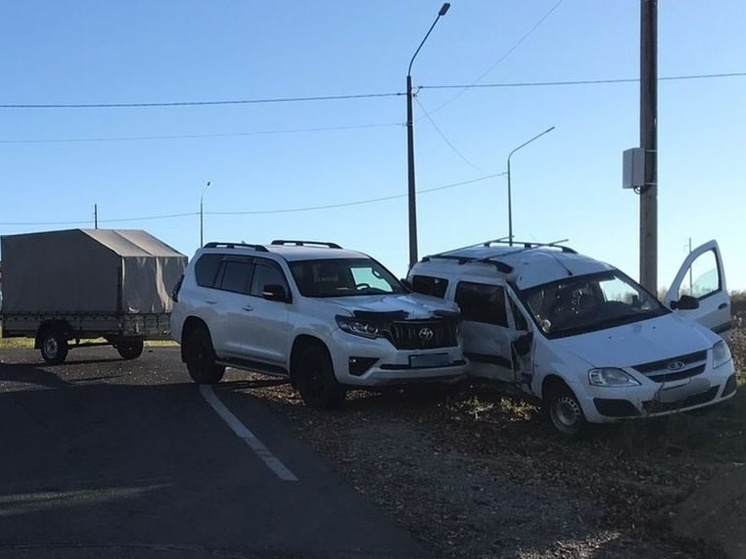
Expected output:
(200, 358)
(314, 376)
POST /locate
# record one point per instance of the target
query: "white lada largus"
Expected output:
(581, 336)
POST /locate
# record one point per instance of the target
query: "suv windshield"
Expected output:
(576, 305)
(343, 278)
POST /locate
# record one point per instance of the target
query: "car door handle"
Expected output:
(722, 306)
(211, 302)
(247, 308)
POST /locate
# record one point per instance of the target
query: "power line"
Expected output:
(585, 82)
(446, 140)
(258, 212)
(507, 53)
(200, 136)
(194, 103)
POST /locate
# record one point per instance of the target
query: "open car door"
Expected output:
(698, 292)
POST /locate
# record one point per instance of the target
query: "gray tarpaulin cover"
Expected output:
(89, 270)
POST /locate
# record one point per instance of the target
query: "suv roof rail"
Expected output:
(259, 248)
(305, 243)
(501, 266)
(528, 244)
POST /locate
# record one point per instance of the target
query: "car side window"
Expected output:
(429, 285)
(236, 276)
(482, 303)
(206, 269)
(266, 273)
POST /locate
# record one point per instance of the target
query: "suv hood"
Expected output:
(394, 307)
(641, 342)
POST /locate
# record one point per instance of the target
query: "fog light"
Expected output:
(360, 365)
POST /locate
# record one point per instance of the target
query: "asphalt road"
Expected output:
(105, 458)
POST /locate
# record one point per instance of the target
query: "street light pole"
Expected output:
(510, 201)
(411, 191)
(202, 215)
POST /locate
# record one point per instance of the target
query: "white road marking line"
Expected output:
(274, 464)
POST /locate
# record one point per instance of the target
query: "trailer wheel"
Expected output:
(131, 349)
(53, 346)
(200, 358)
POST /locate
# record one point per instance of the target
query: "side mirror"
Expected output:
(275, 292)
(685, 303)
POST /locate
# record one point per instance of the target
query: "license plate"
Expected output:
(429, 360)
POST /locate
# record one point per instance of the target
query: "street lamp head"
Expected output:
(444, 9)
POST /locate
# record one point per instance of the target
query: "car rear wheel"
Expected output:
(316, 381)
(200, 358)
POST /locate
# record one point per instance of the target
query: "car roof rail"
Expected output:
(305, 243)
(502, 267)
(528, 244)
(259, 248)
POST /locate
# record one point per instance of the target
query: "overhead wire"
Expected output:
(446, 140)
(260, 212)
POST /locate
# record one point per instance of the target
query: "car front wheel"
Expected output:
(565, 412)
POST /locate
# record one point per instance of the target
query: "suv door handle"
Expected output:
(247, 308)
(722, 306)
(211, 302)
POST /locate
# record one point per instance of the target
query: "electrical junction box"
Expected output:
(633, 172)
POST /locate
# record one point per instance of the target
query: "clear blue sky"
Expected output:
(138, 163)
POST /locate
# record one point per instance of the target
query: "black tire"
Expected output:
(131, 349)
(53, 345)
(315, 379)
(200, 358)
(565, 412)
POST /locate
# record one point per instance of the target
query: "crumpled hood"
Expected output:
(408, 306)
(642, 342)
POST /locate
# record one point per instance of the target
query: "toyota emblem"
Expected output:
(426, 334)
(675, 365)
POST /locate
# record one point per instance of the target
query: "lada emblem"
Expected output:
(426, 334)
(675, 365)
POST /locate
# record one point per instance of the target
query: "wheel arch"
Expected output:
(550, 383)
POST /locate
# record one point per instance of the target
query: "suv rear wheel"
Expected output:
(200, 358)
(315, 379)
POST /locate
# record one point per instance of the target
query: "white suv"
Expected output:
(325, 317)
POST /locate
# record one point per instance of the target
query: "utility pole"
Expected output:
(95, 216)
(649, 144)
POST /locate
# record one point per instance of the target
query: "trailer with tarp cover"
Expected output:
(84, 287)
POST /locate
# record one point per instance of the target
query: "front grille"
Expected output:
(415, 334)
(674, 368)
(678, 375)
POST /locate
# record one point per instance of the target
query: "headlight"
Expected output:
(365, 328)
(720, 354)
(611, 377)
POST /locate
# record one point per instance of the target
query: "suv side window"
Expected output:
(206, 269)
(428, 285)
(482, 303)
(266, 273)
(236, 276)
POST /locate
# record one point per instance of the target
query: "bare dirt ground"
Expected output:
(474, 473)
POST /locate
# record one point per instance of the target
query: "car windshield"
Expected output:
(343, 277)
(577, 305)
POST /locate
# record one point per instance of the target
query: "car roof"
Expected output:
(525, 265)
(291, 251)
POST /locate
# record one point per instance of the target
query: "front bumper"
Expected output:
(366, 362)
(606, 405)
